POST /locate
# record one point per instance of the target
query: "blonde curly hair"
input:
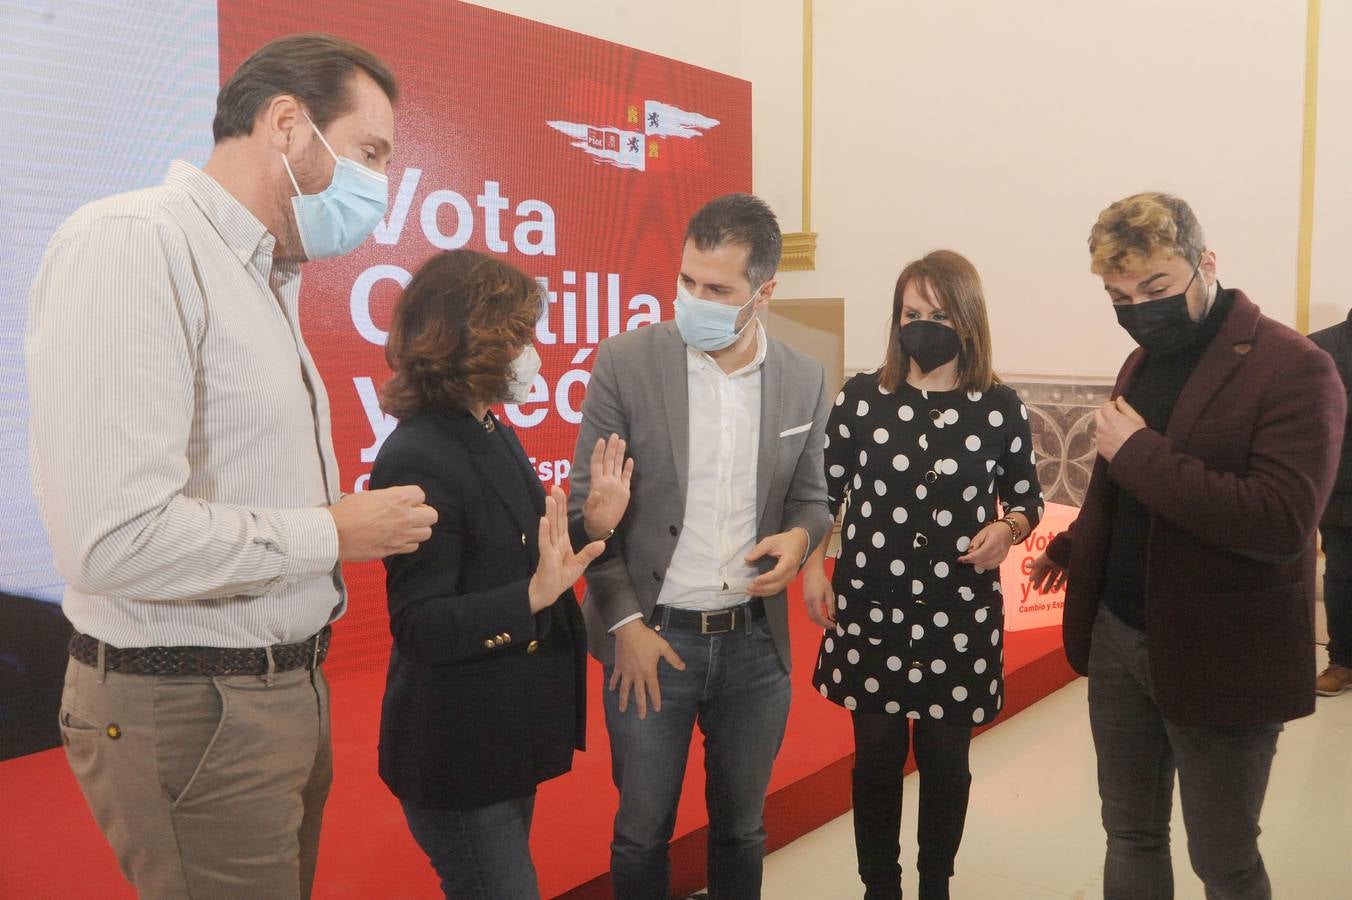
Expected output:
(1136, 229)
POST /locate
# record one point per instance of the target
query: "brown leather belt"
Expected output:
(306, 654)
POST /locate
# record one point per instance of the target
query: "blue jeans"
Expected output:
(735, 687)
(1222, 777)
(481, 853)
(1338, 591)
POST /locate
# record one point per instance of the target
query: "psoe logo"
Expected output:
(628, 148)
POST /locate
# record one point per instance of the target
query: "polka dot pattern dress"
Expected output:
(921, 473)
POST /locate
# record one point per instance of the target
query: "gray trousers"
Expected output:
(1222, 777)
(205, 787)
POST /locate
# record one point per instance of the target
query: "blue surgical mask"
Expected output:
(709, 325)
(337, 219)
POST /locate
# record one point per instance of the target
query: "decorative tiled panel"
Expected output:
(1062, 419)
(1061, 414)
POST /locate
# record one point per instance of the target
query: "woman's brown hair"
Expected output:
(951, 283)
(457, 327)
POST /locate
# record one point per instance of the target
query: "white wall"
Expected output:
(1331, 269)
(772, 60)
(1000, 130)
(703, 32)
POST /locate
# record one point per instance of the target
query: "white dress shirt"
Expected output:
(708, 569)
(180, 443)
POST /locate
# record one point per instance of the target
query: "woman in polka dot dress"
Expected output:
(923, 453)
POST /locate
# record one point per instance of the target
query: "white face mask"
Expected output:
(524, 369)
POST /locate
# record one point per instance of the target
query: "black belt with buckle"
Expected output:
(305, 654)
(716, 621)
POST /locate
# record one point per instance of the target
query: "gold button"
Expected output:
(507, 637)
(113, 732)
(532, 646)
(489, 644)
(523, 539)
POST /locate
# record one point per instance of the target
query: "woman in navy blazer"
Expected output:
(485, 692)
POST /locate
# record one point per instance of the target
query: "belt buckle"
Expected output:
(705, 617)
(319, 645)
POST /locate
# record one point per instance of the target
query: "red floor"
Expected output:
(50, 848)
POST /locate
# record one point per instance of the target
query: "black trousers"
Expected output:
(882, 742)
(1338, 591)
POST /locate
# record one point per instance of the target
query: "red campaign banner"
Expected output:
(1025, 608)
(575, 159)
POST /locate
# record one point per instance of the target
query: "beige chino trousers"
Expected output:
(206, 787)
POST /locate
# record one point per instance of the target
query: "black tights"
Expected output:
(881, 742)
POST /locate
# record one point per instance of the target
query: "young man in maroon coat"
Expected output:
(1190, 570)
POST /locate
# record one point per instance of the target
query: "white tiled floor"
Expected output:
(1033, 829)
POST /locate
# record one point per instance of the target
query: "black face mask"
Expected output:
(1162, 326)
(929, 343)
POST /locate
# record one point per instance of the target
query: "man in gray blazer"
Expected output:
(725, 426)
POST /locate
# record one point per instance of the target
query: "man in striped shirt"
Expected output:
(184, 468)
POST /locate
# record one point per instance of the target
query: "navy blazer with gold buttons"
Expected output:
(483, 699)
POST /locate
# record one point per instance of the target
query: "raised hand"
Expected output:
(608, 495)
(559, 567)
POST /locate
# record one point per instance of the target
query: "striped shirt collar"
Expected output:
(240, 229)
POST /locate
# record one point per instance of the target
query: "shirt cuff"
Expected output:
(625, 621)
(310, 542)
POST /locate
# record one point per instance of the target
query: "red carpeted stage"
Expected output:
(50, 847)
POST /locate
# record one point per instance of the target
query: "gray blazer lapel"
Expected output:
(771, 415)
(675, 389)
